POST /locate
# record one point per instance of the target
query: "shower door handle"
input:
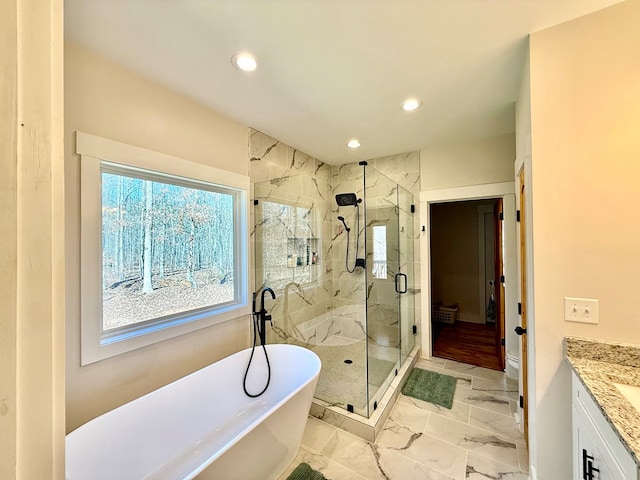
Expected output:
(398, 276)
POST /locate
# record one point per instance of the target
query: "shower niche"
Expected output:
(302, 252)
(287, 246)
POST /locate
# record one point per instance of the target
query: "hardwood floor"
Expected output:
(472, 343)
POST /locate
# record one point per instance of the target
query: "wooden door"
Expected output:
(499, 285)
(523, 302)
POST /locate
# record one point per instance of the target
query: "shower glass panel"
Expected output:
(347, 359)
(383, 264)
(335, 247)
(289, 252)
(407, 301)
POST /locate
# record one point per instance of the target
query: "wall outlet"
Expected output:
(583, 310)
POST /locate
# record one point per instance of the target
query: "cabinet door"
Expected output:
(588, 448)
(610, 452)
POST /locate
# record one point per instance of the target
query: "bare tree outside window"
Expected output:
(167, 249)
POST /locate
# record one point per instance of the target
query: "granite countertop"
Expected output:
(599, 365)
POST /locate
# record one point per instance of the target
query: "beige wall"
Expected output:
(8, 240)
(32, 241)
(103, 99)
(585, 103)
(489, 160)
(523, 163)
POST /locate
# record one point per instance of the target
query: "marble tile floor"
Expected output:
(477, 439)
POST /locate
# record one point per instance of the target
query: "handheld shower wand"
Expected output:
(341, 218)
(359, 262)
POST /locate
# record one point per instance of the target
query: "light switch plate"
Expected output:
(582, 310)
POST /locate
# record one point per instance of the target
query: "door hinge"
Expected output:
(517, 215)
(521, 401)
(415, 329)
(501, 278)
(519, 308)
(502, 342)
(501, 216)
(413, 209)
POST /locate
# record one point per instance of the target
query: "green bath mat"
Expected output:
(305, 472)
(431, 387)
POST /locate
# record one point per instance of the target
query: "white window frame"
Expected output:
(93, 151)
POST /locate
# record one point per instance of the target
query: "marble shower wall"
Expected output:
(356, 288)
(287, 175)
(404, 169)
(298, 214)
(349, 288)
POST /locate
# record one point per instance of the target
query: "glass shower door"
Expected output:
(406, 261)
(301, 252)
(383, 315)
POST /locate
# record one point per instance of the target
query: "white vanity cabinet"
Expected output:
(598, 452)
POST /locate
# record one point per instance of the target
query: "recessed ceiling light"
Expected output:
(244, 61)
(411, 104)
(353, 143)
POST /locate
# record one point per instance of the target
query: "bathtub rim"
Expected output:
(313, 376)
(203, 466)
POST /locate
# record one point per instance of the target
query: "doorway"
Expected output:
(467, 282)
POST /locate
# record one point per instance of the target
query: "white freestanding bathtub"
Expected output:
(204, 425)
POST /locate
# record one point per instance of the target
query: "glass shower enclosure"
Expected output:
(337, 248)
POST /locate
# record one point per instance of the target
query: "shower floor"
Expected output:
(367, 427)
(339, 338)
(343, 374)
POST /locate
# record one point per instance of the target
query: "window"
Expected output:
(380, 251)
(163, 247)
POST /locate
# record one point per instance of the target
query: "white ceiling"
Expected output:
(332, 70)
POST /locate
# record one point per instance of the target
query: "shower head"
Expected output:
(341, 218)
(347, 199)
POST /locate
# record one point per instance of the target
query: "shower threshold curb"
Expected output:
(366, 428)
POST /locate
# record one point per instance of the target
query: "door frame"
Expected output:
(482, 284)
(524, 246)
(498, 263)
(504, 190)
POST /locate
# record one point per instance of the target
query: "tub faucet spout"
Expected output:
(263, 315)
